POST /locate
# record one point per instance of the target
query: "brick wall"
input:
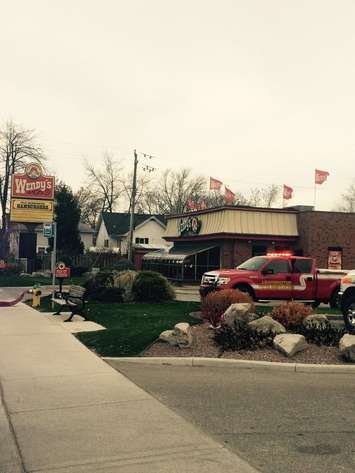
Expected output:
(227, 253)
(320, 230)
(242, 252)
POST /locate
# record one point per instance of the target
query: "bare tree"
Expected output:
(217, 199)
(348, 200)
(149, 202)
(143, 193)
(173, 190)
(106, 182)
(263, 196)
(90, 206)
(17, 148)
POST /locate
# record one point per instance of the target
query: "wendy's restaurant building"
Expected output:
(224, 237)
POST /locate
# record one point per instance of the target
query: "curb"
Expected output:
(243, 364)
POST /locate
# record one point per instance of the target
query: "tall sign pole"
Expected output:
(32, 197)
(54, 258)
(133, 201)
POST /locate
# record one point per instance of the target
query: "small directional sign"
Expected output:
(48, 230)
(62, 271)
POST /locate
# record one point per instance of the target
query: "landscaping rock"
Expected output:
(267, 324)
(181, 336)
(196, 315)
(169, 337)
(41, 274)
(316, 320)
(347, 347)
(238, 312)
(289, 343)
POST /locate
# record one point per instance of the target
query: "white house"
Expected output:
(113, 232)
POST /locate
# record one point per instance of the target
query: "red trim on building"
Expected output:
(231, 236)
(234, 208)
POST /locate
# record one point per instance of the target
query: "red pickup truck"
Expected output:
(278, 276)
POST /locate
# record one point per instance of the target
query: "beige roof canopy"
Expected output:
(240, 222)
(176, 254)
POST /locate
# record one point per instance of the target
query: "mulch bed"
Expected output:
(204, 346)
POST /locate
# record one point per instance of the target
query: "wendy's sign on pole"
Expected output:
(32, 184)
(32, 196)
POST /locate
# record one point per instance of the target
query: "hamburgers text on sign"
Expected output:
(30, 210)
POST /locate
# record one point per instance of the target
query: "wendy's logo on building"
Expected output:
(190, 225)
(33, 171)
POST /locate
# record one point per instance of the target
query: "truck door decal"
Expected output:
(302, 282)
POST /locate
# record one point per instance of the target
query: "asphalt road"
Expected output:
(277, 422)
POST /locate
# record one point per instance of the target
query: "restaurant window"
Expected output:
(259, 250)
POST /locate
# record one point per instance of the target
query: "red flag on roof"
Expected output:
(320, 176)
(229, 196)
(215, 184)
(191, 205)
(287, 192)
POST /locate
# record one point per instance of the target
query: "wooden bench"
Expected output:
(74, 300)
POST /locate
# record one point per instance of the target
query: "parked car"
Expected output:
(278, 276)
(347, 300)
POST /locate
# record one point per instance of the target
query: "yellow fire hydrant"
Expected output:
(36, 296)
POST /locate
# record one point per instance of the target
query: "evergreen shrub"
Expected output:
(108, 294)
(150, 286)
(97, 283)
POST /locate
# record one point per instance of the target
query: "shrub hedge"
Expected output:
(291, 314)
(241, 337)
(150, 286)
(216, 303)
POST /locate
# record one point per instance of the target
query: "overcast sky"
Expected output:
(251, 92)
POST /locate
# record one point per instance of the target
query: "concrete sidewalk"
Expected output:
(63, 409)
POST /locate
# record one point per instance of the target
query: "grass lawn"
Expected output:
(133, 327)
(130, 327)
(28, 281)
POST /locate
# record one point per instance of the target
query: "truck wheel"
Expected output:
(247, 289)
(333, 301)
(348, 310)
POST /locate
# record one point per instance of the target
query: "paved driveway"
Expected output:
(278, 422)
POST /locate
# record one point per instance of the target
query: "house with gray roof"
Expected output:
(113, 232)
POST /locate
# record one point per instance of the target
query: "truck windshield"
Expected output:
(253, 264)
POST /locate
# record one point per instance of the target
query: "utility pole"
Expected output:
(133, 201)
